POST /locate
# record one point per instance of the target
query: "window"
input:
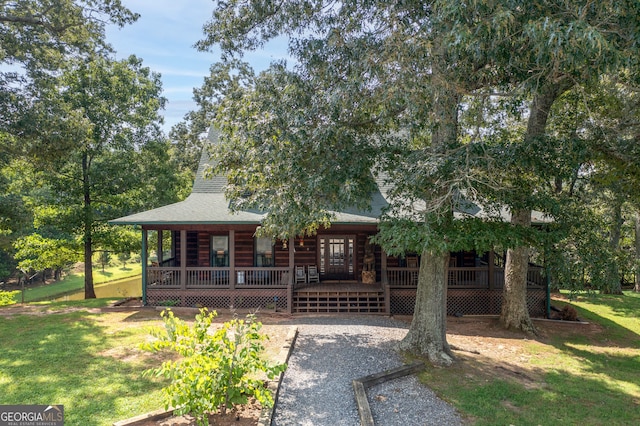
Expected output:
(220, 251)
(264, 252)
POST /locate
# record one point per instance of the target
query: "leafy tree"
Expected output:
(41, 33)
(6, 265)
(598, 119)
(14, 214)
(375, 89)
(105, 259)
(124, 258)
(600, 35)
(614, 116)
(37, 253)
(380, 86)
(107, 117)
(540, 51)
(38, 37)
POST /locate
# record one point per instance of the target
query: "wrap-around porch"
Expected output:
(282, 282)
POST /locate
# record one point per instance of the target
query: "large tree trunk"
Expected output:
(515, 313)
(428, 332)
(514, 296)
(89, 292)
(636, 288)
(613, 284)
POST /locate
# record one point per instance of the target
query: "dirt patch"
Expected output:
(247, 415)
(485, 350)
(37, 310)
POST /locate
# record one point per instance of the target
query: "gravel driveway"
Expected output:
(329, 353)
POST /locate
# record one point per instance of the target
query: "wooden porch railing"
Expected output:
(257, 277)
(262, 277)
(204, 277)
(403, 277)
(220, 278)
(477, 278)
(163, 277)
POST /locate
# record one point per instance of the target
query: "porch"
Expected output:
(198, 252)
(471, 290)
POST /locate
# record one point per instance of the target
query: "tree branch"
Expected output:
(37, 22)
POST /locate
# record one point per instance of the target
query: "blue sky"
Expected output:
(164, 37)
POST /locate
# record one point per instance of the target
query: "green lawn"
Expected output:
(571, 374)
(89, 362)
(75, 282)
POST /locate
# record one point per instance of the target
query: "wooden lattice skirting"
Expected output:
(468, 301)
(401, 300)
(266, 299)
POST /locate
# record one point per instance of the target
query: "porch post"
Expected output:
(232, 259)
(383, 272)
(290, 279)
(160, 259)
(183, 259)
(292, 259)
(492, 262)
(144, 260)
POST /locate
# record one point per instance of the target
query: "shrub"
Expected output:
(8, 297)
(216, 371)
(569, 313)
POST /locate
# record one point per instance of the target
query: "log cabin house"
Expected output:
(208, 256)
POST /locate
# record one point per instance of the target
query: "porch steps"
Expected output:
(338, 301)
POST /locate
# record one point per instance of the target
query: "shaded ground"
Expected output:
(488, 349)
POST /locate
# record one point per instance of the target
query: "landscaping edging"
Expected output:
(274, 385)
(152, 416)
(361, 385)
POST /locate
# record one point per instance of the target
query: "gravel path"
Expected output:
(329, 353)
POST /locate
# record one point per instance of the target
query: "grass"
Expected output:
(574, 374)
(74, 282)
(88, 362)
(569, 377)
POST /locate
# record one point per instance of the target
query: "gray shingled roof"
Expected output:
(213, 185)
(208, 205)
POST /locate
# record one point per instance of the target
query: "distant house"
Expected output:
(208, 256)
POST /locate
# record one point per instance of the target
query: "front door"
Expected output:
(336, 257)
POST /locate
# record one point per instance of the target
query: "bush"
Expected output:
(217, 371)
(8, 297)
(569, 313)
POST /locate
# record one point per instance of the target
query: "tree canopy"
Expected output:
(80, 133)
(443, 102)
